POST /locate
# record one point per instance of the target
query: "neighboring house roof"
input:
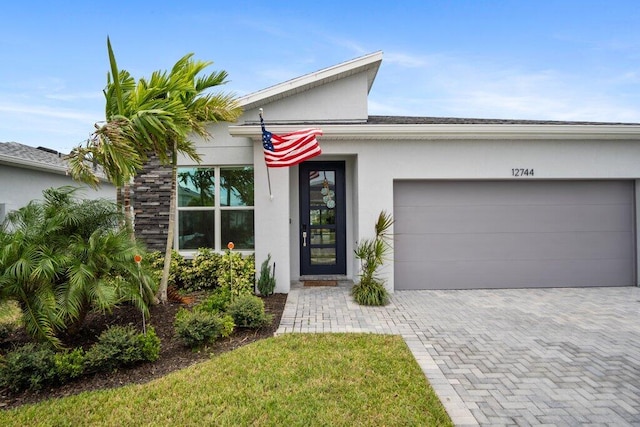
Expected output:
(24, 156)
(40, 158)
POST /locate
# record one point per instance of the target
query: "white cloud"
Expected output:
(449, 86)
(75, 96)
(26, 110)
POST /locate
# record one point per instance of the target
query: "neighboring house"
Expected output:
(477, 203)
(26, 171)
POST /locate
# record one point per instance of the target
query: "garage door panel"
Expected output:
(528, 218)
(522, 274)
(514, 246)
(452, 193)
(506, 234)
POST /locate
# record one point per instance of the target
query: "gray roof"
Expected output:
(409, 120)
(22, 155)
(421, 120)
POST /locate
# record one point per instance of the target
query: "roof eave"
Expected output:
(457, 131)
(37, 166)
(30, 164)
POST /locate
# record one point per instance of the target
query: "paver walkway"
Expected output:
(563, 357)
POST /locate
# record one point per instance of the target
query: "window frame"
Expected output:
(217, 208)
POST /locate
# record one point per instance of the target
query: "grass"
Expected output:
(292, 380)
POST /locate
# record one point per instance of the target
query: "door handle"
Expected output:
(304, 235)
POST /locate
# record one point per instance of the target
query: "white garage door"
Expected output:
(513, 234)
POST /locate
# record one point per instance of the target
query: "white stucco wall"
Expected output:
(340, 100)
(379, 163)
(19, 186)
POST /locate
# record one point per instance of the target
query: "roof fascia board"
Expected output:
(466, 131)
(36, 166)
(30, 164)
(371, 62)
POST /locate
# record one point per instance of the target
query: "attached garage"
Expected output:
(513, 234)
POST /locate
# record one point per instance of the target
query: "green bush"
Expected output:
(69, 364)
(370, 293)
(28, 367)
(240, 278)
(121, 346)
(201, 274)
(248, 311)
(217, 302)
(34, 365)
(178, 269)
(197, 328)
(149, 345)
(267, 279)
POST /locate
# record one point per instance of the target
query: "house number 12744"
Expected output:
(521, 172)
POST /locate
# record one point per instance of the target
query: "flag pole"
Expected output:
(265, 160)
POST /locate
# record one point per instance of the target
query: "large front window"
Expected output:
(215, 207)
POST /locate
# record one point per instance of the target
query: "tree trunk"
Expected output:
(128, 217)
(162, 289)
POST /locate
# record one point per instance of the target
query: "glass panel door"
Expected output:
(322, 218)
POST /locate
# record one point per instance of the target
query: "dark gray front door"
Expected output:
(322, 218)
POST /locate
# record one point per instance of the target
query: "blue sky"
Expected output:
(511, 59)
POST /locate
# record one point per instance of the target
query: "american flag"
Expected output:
(291, 148)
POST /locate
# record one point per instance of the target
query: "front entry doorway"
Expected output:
(322, 218)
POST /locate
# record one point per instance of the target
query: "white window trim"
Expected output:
(217, 211)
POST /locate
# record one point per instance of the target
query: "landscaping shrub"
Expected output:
(197, 328)
(28, 367)
(241, 277)
(217, 302)
(178, 269)
(34, 365)
(248, 311)
(61, 257)
(207, 270)
(121, 346)
(69, 364)
(370, 293)
(371, 253)
(202, 273)
(267, 279)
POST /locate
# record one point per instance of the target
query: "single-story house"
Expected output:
(26, 171)
(477, 203)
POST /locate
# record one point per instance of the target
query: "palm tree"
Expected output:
(60, 259)
(139, 120)
(153, 117)
(201, 107)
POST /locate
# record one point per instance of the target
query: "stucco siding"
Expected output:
(20, 186)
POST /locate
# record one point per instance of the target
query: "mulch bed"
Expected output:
(173, 355)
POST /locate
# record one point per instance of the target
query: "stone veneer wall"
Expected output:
(151, 199)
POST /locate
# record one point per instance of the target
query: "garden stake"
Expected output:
(230, 245)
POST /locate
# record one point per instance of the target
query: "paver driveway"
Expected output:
(505, 357)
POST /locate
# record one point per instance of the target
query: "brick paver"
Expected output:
(561, 357)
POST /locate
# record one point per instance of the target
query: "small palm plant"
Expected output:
(61, 258)
(372, 253)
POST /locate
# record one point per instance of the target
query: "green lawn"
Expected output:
(290, 380)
